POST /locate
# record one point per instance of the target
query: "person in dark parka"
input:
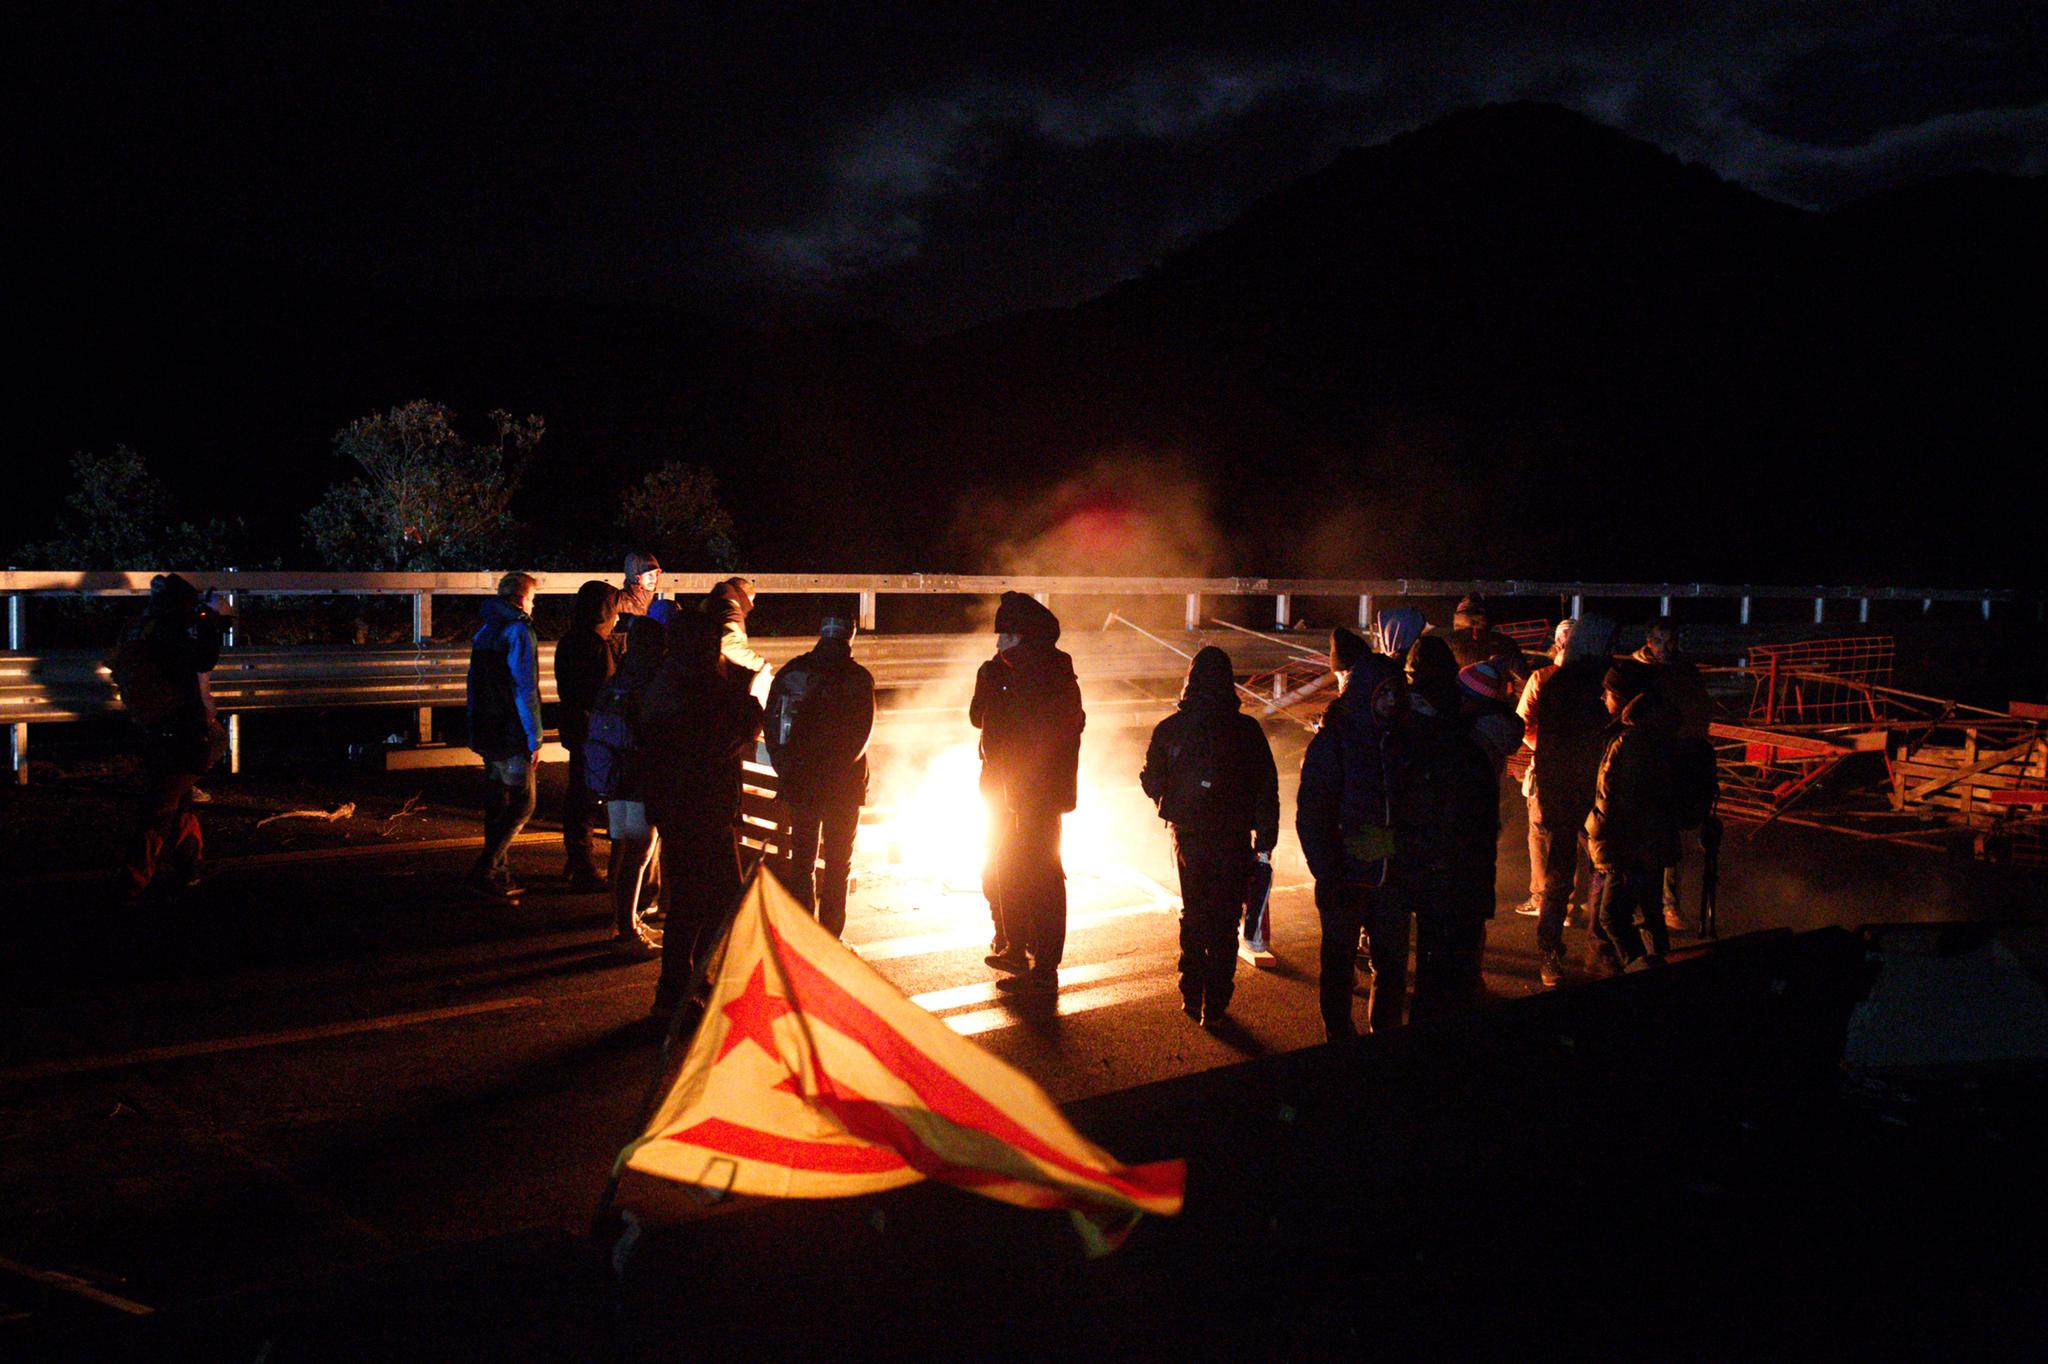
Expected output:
(696, 728)
(1632, 830)
(1209, 769)
(1447, 831)
(1567, 723)
(821, 713)
(159, 667)
(1027, 705)
(1344, 816)
(584, 662)
(505, 726)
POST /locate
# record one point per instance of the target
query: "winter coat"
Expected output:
(696, 728)
(504, 684)
(821, 713)
(586, 657)
(1495, 728)
(1344, 812)
(729, 607)
(1566, 719)
(1446, 814)
(635, 599)
(1210, 732)
(1634, 823)
(157, 667)
(646, 649)
(1027, 705)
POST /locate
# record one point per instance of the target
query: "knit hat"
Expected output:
(1347, 650)
(1485, 679)
(836, 627)
(638, 562)
(1019, 613)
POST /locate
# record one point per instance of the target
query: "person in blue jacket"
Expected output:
(504, 726)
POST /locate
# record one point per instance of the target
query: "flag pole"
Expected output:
(692, 1007)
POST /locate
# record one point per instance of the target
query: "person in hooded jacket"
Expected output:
(728, 605)
(635, 872)
(505, 726)
(643, 579)
(1566, 734)
(1209, 769)
(1344, 817)
(696, 728)
(821, 714)
(1473, 639)
(584, 662)
(160, 666)
(1432, 671)
(1632, 829)
(1446, 833)
(1397, 629)
(1027, 705)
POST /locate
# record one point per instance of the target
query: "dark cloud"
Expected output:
(929, 163)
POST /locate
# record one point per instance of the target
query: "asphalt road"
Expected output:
(329, 1060)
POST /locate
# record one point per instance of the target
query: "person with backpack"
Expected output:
(1209, 769)
(584, 662)
(1679, 683)
(821, 713)
(505, 727)
(697, 726)
(159, 667)
(1344, 817)
(1632, 829)
(1027, 705)
(1566, 734)
(612, 770)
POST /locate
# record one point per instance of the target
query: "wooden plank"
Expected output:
(1929, 787)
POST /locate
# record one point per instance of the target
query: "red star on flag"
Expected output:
(752, 1015)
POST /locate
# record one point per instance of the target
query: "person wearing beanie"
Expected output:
(821, 713)
(1566, 733)
(1344, 817)
(1484, 692)
(505, 727)
(1632, 828)
(1209, 769)
(1472, 638)
(643, 580)
(159, 669)
(727, 606)
(1027, 705)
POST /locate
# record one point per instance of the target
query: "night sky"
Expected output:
(926, 164)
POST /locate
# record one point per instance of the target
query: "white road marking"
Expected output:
(1080, 1002)
(984, 991)
(952, 940)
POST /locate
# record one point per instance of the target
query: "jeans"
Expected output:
(1553, 862)
(1031, 886)
(700, 882)
(1383, 913)
(508, 804)
(1630, 893)
(579, 807)
(1215, 872)
(832, 830)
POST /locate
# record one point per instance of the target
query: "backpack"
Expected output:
(1199, 791)
(1695, 783)
(608, 744)
(149, 693)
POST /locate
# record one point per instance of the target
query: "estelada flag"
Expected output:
(811, 1076)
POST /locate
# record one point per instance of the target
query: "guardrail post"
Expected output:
(867, 609)
(1578, 605)
(1820, 609)
(423, 635)
(1664, 606)
(1283, 611)
(234, 744)
(1987, 608)
(17, 751)
(1194, 615)
(1745, 611)
(1365, 612)
(17, 622)
(1926, 606)
(1863, 610)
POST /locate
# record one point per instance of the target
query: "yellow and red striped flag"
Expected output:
(813, 1077)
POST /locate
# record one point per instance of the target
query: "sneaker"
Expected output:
(1576, 915)
(636, 947)
(1031, 982)
(1016, 963)
(1530, 908)
(1551, 969)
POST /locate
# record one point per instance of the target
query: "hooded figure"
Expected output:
(1344, 817)
(1432, 677)
(1399, 628)
(643, 576)
(728, 605)
(160, 667)
(584, 661)
(1027, 705)
(1447, 828)
(1210, 771)
(1567, 724)
(504, 726)
(821, 713)
(635, 871)
(696, 728)
(1473, 638)
(1632, 829)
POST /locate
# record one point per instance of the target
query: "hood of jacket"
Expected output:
(498, 611)
(1210, 684)
(1021, 614)
(1373, 674)
(1592, 637)
(1399, 628)
(597, 608)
